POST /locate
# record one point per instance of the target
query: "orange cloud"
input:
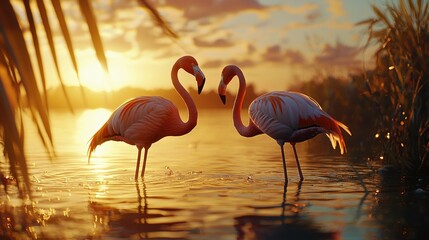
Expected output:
(289, 56)
(201, 9)
(221, 42)
(339, 55)
(336, 8)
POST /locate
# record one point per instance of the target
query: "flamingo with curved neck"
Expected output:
(144, 120)
(285, 116)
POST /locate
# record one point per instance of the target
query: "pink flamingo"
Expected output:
(145, 120)
(283, 115)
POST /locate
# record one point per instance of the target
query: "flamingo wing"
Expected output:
(139, 121)
(294, 117)
(276, 114)
(142, 120)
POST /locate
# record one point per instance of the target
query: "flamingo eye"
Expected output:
(196, 70)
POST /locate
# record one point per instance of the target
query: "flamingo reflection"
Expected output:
(287, 225)
(144, 222)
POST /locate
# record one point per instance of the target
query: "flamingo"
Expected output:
(144, 120)
(285, 116)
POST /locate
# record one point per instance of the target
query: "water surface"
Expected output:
(209, 184)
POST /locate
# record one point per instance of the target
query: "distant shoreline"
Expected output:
(85, 98)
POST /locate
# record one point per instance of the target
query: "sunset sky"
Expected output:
(275, 42)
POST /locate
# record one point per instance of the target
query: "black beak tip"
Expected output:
(200, 88)
(223, 98)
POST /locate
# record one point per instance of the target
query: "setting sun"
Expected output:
(93, 76)
(123, 72)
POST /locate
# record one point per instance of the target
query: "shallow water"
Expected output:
(211, 184)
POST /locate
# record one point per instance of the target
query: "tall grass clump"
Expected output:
(399, 83)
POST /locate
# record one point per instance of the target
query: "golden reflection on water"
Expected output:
(88, 123)
(209, 184)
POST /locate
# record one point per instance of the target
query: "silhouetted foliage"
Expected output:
(23, 78)
(399, 86)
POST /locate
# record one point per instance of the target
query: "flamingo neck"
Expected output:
(246, 131)
(184, 127)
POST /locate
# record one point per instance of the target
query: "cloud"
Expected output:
(251, 48)
(212, 64)
(313, 16)
(151, 38)
(118, 44)
(196, 9)
(294, 57)
(217, 63)
(275, 54)
(339, 55)
(297, 10)
(221, 42)
(335, 7)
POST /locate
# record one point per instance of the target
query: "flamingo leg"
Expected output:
(284, 162)
(301, 177)
(144, 160)
(138, 163)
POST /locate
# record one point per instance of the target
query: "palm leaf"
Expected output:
(17, 50)
(36, 48)
(50, 38)
(13, 146)
(158, 19)
(87, 12)
(64, 29)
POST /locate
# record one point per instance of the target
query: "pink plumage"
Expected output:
(144, 120)
(283, 115)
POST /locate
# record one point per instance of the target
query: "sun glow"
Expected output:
(89, 123)
(93, 76)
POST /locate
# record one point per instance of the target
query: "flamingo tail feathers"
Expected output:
(333, 131)
(99, 137)
(335, 135)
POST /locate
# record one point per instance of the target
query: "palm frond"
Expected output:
(18, 79)
(36, 45)
(156, 16)
(87, 12)
(50, 38)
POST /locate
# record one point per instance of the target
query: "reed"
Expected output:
(399, 86)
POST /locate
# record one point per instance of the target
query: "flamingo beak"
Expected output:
(200, 87)
(222, 90)
(201, 79)
(222, 98)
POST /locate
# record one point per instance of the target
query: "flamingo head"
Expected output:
(228, 73)
(190, 65)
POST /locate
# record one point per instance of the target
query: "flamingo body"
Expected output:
(145, 120)
(285, 116)
(139, 121)
(294, 117)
